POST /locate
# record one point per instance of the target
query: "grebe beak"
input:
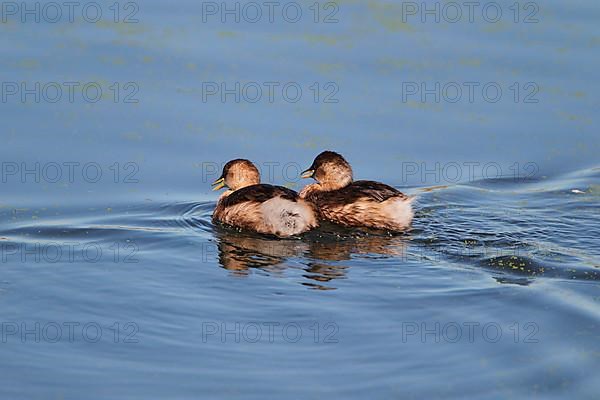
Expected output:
(218, 184)
(308, 173)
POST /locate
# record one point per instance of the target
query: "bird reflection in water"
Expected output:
(241, 252)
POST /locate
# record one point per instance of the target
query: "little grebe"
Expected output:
(268, 209)
(338, 199)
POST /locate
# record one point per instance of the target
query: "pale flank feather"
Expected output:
(288, 217)
(399, 211)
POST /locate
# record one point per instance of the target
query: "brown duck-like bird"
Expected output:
(267, 209)
(340, 200)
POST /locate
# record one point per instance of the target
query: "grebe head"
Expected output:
(237, 174)
(331, 170)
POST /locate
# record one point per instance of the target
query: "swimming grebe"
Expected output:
(262, 208)
(338, 199)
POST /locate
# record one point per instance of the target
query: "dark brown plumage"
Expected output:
(372, 190)
(259, 194)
